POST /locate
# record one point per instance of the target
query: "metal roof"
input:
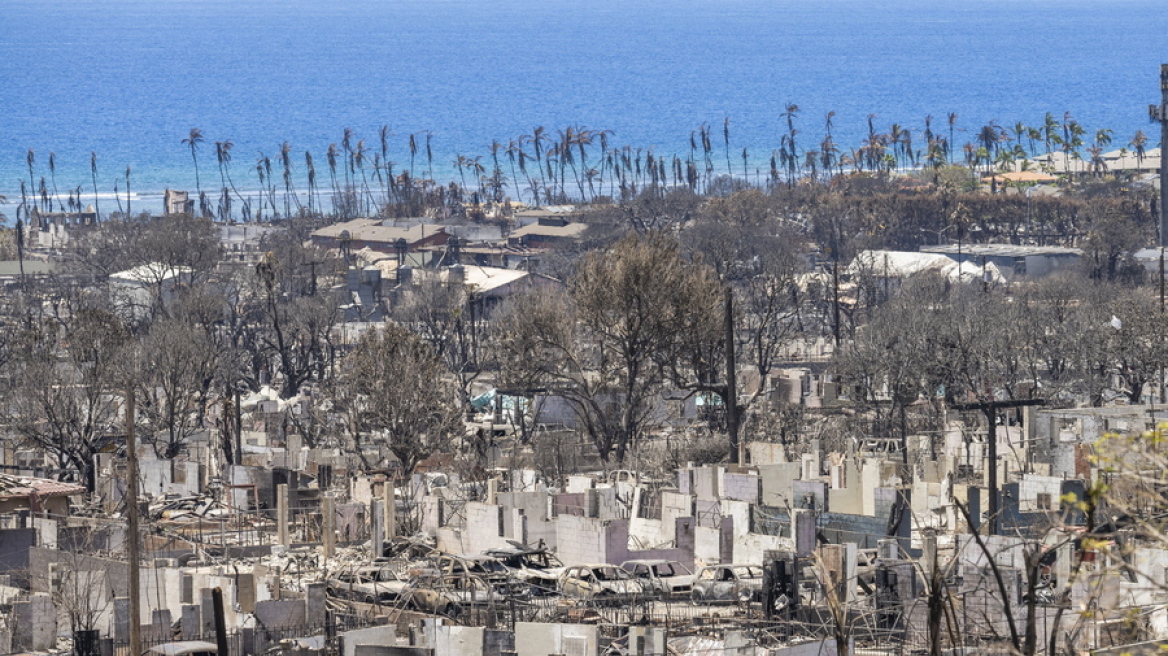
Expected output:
(1000, 250)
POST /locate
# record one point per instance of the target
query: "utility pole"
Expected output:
(1159, 114)
(990, 408)
(132, 521)
(731, 399)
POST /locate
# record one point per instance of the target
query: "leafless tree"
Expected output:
(395, 392)
(65, 387)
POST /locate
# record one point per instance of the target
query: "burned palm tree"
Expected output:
(360, 156)
(192, 141)
(347, 145)
(289, 187)
(311, 174)
(952, 118)
(30, 160)
(383, 136)
(223, 158)
(726, 143)
(512, 155)
(429, 155)
(331, 155)
(53, 178)
(93, 175)
(413, 152)
(129, 201)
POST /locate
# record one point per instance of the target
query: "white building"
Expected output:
(136, 293)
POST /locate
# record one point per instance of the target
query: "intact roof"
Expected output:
(152, 272)
(372, 230)
(484, 278)
(546, 210)
(1001, 250)
(31, 267)
(902, 264)
(15, 487)
(570, 230)
(184, 647)
(1022, 176)
(1126, 160)
(1061, 162)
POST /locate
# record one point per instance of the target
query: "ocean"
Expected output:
(128, 79)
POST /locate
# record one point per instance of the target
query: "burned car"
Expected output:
(661, 578)
(534, 566)
(600, 583)
(370, 584)
(733, 583)
(450, 594)
(487, 567)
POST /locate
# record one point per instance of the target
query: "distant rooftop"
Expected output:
(1000, 250)
(152, 272)
(11, 268)
(567, 231)
(373, 230)
(547, 210)
(485, 279)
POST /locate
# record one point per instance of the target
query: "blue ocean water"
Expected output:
(129, 78)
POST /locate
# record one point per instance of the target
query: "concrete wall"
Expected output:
(777, 483)
(1032, 486)
(532, 639)
(581, 539)
(741, 487)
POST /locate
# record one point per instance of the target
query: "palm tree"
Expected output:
(360, 156)
(949, 144)
(413, 151)
(93, 174)
(53, 176)
(895, 136)
(1098, 165)
(46, 203)
(989, 137)
(429, 155)
(810, 162)
(223, 157)
(1139, 143)
(1020, 131)
(286, 164)
(460, 165)
(538, 138)
(383, 136)
(726, 142)
(30, 159)
(791, 113)
(476, 167)
(1102, 137)
(332, 154)
(1033, 135)
(347, 145)
(512, 154)
(1050, 127)
(192, 141)
(129, 209)
(311, 180)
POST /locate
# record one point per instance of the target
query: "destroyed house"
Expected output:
(39, 495)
